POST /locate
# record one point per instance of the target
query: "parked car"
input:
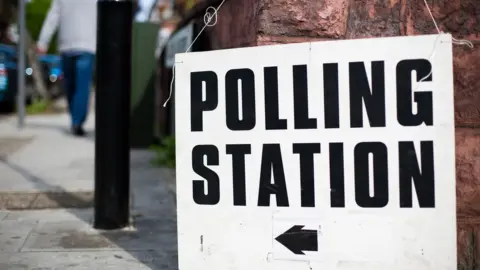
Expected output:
(52, 72)
(3, 77)
(8, 77)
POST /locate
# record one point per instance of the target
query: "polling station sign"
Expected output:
(324, 155)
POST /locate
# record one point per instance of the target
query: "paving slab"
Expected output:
(46, 157)
(45, 199)
(10, 145)
(92, 260)
(13, 234)
(65, 239)
(3, 214)
(43, 166)
(47, 168)
(48, 215)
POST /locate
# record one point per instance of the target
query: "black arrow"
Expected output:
(298, 240)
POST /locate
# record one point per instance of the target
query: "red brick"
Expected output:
(319, 18)
(458, 17)
(236, 25)
(368, 18)
(272, 40)
(468, 171)
(467, 86)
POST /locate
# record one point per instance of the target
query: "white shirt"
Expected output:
(77, 23)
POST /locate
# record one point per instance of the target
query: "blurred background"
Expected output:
(48, 176)
(154, 23)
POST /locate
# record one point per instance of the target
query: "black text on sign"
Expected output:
(416, 176)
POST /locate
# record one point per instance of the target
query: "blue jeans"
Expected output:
(77, 71)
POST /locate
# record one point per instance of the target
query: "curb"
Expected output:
(45, 200)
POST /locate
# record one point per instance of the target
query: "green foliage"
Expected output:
(165, 153)
(36, 11)
(38, 106)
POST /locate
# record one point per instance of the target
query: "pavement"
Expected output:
(43, 157)
(46, 191)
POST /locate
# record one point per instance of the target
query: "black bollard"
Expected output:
(112, 117)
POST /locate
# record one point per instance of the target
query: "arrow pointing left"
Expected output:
(297, 240)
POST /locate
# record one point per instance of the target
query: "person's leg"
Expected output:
(68, 65)
(83, 76)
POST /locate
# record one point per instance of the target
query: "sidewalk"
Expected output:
(64, 239)
(45, 157)
(42, 166)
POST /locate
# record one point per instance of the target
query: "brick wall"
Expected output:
(258, 22)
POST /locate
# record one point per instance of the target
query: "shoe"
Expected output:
(78, 131)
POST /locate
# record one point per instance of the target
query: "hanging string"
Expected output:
(454, 40)
(432, 54)
(440, 33)
(209, 19)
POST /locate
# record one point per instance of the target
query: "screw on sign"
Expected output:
(362, 145)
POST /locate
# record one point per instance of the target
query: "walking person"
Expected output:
(76, 21)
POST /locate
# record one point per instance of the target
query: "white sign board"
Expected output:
(324, 155)
(178, 43)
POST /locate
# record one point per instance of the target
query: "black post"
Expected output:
(112, 117)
